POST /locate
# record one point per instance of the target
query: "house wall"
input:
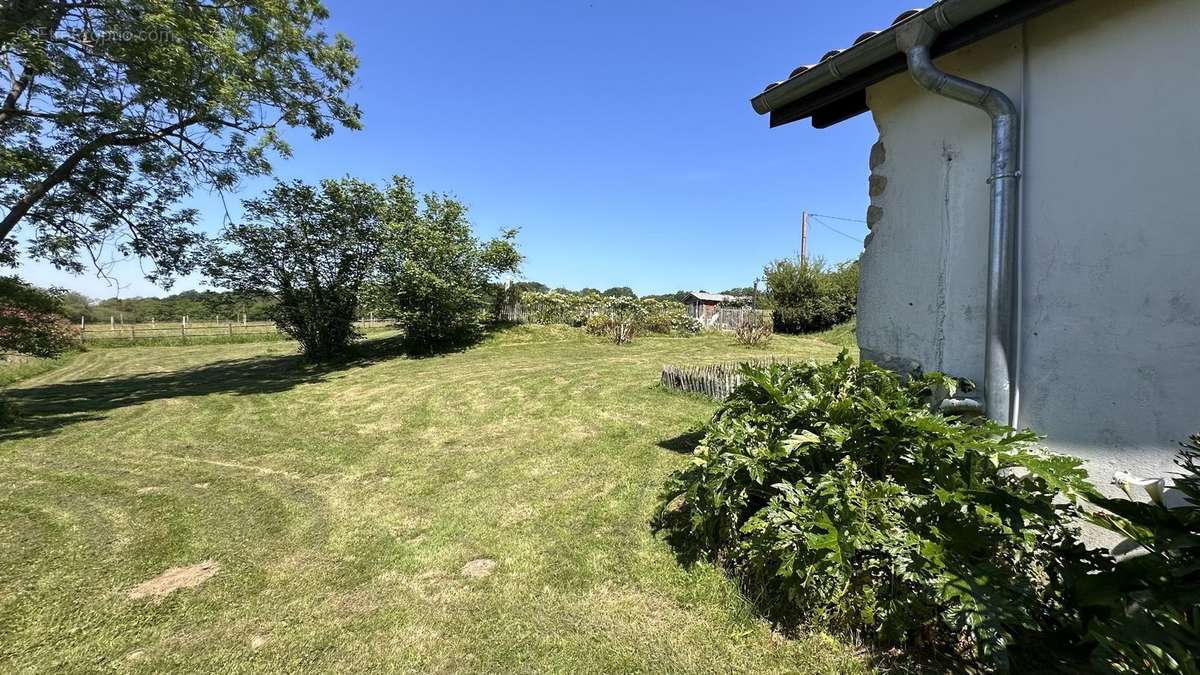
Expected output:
(1110, 335)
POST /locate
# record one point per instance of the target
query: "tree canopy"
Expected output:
(434, 275)
(117, 109)
(619, 292)
(311, 247)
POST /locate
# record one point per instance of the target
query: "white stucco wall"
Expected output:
(1110, 339)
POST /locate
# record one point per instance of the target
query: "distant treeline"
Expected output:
(627, 292)
(212, 305)
(196, 305)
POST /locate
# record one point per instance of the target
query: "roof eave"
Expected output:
(833, 89)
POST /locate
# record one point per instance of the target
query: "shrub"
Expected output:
(650, 315)
(752, 329)
(683, 324)
(661, 323)
(31, 321)
(836, 493)
(1142, 614)
(435, 276)
(625, 315)
(567, 308)
(598, 325)
(809, 296)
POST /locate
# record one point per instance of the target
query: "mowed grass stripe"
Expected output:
(342, 505)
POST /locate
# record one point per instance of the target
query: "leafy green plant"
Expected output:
(1143, 614)
(837, 493)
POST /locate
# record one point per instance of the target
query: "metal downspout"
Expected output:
(914, 39)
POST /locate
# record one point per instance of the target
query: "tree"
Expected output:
(311, 248)
(811, 296)
(434, 274)
(76, 305)
(619, 292)
(677, 296)
(31, 320)
(117, 109)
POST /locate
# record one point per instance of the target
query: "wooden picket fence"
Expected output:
(716, 381)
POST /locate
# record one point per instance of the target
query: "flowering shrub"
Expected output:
(30, 322)
(648, 315)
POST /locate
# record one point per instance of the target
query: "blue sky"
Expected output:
(618, 136)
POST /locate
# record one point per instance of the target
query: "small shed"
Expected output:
(701, 304)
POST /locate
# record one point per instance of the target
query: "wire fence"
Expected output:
(725, 318)
(185, 330)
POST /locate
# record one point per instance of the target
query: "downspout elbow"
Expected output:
(914, 38)
(992, 101)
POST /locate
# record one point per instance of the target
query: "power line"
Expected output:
(849, 220)
(818, 220)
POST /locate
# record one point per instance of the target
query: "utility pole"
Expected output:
(804, 238)
(754, 300)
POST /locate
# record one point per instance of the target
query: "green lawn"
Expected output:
(342, 506)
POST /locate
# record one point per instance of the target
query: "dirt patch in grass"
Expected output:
(480, 567)
(174, 579)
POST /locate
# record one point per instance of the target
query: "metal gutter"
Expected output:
(871, 50)
(834, 89)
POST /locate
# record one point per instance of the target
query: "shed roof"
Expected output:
(715, 297)
(834, 88)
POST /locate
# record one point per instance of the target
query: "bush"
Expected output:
(566, 308)
(598, 325)
(625, 316)
(753, 329)
(836, 493)
(435, 276)
(31, 321)
(650, 315)
(811, 297)
(683, 324)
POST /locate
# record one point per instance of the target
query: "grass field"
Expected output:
(480, 511)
